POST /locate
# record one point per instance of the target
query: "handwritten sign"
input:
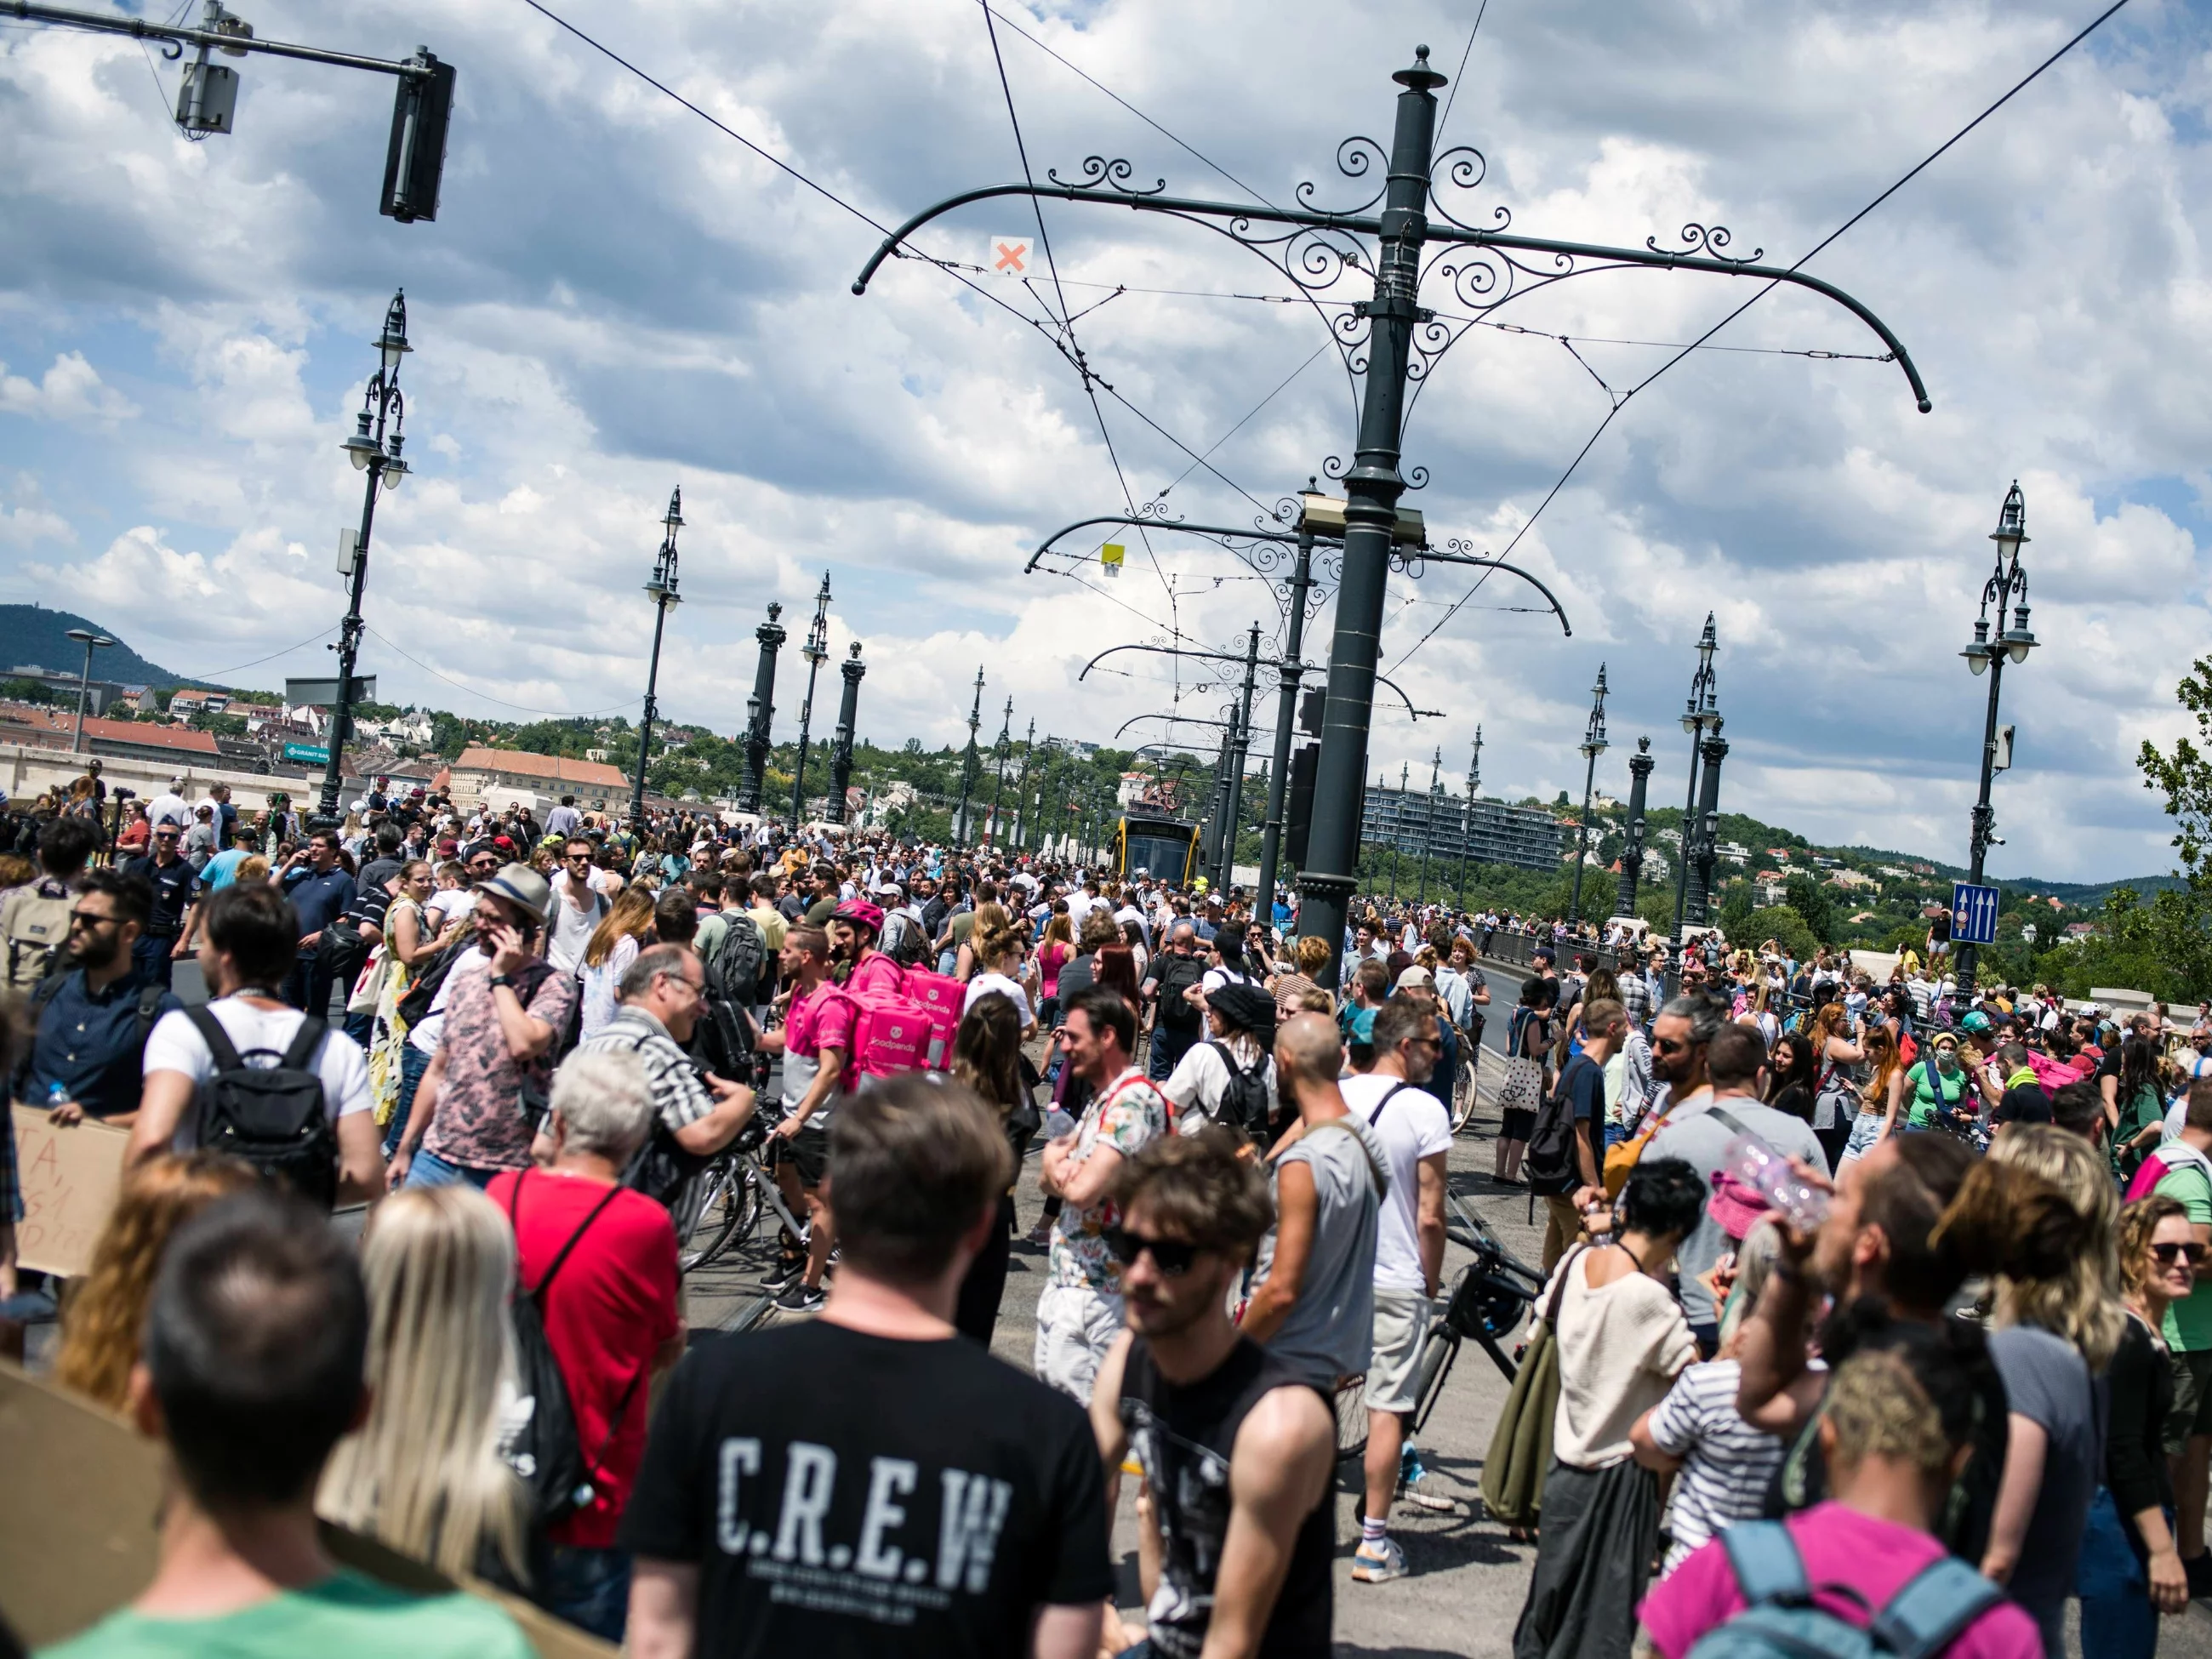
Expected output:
(70, 1175)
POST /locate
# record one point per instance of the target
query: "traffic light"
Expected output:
(417, 157)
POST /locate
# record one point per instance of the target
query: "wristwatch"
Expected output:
(498, 980)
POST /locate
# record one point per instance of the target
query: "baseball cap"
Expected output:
(1415, 975)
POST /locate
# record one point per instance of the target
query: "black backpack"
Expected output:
(1247, 1102)
(415, 1006)
(273, 1117)
(1551, 1163)
(739, 958)
(541, 1449)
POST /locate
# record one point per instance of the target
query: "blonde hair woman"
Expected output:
(103, 1321)
(2052, 1254)
(423, 1474)
(614, 945)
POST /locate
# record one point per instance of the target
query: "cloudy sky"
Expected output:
(617, 299)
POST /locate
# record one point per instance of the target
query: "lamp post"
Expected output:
(1594, 744)
(967, 760)
(91, 642)
(375, 449)
(1240, 745)
(1023, 818)
(1398, 830)
(1401, 341)
(815, 650)
(760, 711)
(1288, 673)
(2007, 584)
(1428, 818)
(662, 590)
(1466, 828)
(848, 714)
(1712, 752)
(1632, 856)
(1697, 714)
(999, 789)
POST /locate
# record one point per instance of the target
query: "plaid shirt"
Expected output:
(679, 1094)
(1635, 997)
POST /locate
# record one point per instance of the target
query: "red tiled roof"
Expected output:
(148, 735)
(552, 768)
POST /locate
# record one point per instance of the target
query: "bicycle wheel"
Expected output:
(728, 1211)
(1462, 1092)
(1436, 1363)
(1351, 1419)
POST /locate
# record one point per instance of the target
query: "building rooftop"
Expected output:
(554, 768)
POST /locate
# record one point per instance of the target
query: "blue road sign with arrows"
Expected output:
(1973, 913)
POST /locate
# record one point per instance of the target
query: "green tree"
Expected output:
(1810, 900)
(2167, 942)
(1783, 925)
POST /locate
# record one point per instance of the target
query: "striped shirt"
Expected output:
(679, 1094)
(1727, 1464)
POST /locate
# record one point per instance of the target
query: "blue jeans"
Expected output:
(590, 1589)
(2118, 1621)
(150, 957)
(413, 1063)
(1168, 1048)
(427, 1168)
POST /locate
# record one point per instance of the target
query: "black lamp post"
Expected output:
(968, 761)
(375, 449)
(760, 711)
(662, 590)
(91, 642)
(1429, 819)
(999, 788)
(1023, 817)
(1466, 828)
(848, 714)
(1594, 744)
(1697, 715)
(1712, 752)
(1640, 765)
(1395, 338)
(2007, 584)
(815, 650)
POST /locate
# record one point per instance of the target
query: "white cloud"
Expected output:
(617, 301)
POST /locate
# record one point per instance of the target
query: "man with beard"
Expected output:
(1237, 1448)
(853, 930)
(93, 1017)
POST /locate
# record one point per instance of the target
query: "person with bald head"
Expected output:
(1312, 1297)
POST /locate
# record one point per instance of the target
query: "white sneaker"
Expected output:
(1377, 1563)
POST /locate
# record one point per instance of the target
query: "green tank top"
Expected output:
(1931, 1092)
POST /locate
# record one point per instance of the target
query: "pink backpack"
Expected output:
(890, 1035)
(938, 992)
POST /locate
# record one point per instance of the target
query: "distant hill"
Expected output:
(32, 634)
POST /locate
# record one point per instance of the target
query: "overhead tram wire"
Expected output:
(951, 268)
(522, 708)
(1466, 52)
(1066, 319)
(1922, 165)
(211, 674)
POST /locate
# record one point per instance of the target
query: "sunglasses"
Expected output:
(2167, 1254)
(165, 835)
(1173, 1257)
(1668, 1045)
(91, 918)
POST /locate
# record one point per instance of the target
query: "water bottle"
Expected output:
(1758, 1165)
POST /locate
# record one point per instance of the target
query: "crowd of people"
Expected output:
(1861, 1302)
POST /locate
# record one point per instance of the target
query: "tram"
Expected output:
(1155, 845)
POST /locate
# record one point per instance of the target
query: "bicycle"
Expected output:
(1461, 1102)
(1489, 1298)
(727, 1198)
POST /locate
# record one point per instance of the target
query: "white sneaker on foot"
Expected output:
(1377, 1563)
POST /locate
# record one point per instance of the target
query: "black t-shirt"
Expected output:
(1174, 974)
(1184, 1436)
(844, 1494)
(175, 886)
(2023, 1103)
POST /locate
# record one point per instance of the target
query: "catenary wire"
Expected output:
(1622, 402)
(524, 708)
(211, 674)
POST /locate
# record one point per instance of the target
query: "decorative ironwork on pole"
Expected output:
(999, 789)
(662, 592)
(968, 761)
(840, 755)
(1388, 342)
(1594, 744)
(760, 711)
(1700, 714)
(816, 649)
(2007, 584)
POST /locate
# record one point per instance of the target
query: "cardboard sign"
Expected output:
(70, 1175)
(79, 1533)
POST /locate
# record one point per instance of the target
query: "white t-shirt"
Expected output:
(261, 1036)
(452, 903)
(1200, 1080)
(983, 984)
(430, 1030)
(572, 929)
(170, 807)
(1411, 1125)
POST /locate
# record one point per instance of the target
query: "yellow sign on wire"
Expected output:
(1109, 557)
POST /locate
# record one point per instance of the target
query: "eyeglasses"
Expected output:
(91, 919)
(483, 867)
(1670, 1045)
(2167, 1254)
(1173, 1257)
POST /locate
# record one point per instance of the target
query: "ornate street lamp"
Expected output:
(1594, 744)
(816, 650)
(661, 590)
(2007, 584)
(373, 448)
(1701, 715)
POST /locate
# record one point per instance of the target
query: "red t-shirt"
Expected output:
(1840, 1546)
(612, 1306)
